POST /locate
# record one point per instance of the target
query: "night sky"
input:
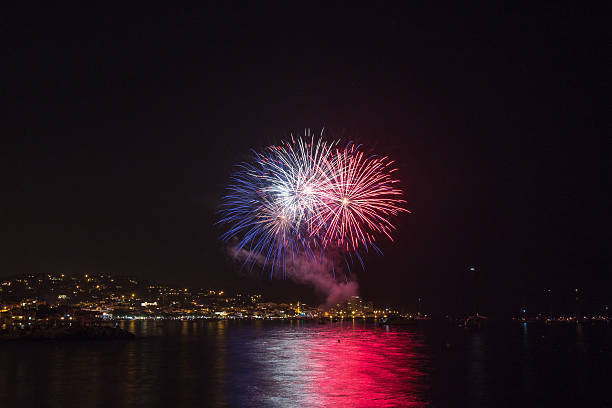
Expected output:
(120, 128)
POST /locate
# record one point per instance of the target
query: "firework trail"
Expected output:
(305, 199)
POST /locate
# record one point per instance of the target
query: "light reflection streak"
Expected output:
(308, 367)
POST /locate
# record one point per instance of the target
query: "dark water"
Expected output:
(293, 364)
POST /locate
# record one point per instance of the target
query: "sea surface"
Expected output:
(306, 364)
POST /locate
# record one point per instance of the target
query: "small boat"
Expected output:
(398, 321)
(478, 321)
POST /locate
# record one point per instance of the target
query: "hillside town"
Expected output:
(51, 300)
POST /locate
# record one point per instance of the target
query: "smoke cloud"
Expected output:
(318, 273)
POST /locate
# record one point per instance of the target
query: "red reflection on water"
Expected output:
(368, 367)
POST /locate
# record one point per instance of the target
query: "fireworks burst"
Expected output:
(359, 199)
(307, 198)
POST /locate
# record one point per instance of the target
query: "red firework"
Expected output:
(359, 197)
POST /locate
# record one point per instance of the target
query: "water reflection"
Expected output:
(339, 365)
(222, 364)
(477, 373)
(286, 364)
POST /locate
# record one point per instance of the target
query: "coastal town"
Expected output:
(48, 301)
(52, 300)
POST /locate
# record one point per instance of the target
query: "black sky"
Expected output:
(120, 128)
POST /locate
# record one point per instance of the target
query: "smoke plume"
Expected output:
(320, 273)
